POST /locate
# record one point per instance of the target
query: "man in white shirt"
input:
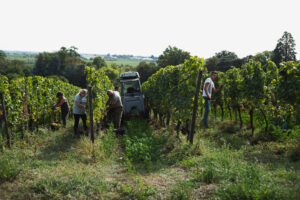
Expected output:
(117, 90)
(208, 88)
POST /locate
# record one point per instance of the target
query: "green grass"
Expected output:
(149, 163)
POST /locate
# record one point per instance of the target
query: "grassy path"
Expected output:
(148, 164)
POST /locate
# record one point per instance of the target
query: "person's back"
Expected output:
(65, 106)
(116, 99)
(116, 107)
(117, 93)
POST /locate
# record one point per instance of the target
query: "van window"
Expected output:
(130, 87)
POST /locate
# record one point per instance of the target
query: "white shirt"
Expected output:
(210, 86)
(116, 99)
(117, 92)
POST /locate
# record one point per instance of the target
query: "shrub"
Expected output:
(140, 149)
(141, 145)
(207, 175)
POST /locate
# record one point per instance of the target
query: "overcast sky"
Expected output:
(147, 27)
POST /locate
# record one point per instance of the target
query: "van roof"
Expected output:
(129, 75)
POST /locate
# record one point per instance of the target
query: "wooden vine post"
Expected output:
(5, 120)
(190, 137)
(91, 113)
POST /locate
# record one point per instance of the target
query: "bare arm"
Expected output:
(60, 102)
(217, 90)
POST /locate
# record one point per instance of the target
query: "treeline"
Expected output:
(224, 60)
(13, 68)
(66, 64)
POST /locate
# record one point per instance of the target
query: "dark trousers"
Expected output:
(76, 123)
(64, 118)
(117, 116)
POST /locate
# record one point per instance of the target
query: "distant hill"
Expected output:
(29, 57)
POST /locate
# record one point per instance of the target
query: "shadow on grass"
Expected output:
(61, 143)
(227, 133)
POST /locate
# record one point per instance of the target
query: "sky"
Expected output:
(148, 27)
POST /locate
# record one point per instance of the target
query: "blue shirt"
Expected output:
(76, 109)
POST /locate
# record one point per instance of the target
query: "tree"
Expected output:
(225, 53)
(3, 62)
(73, 52)
(263, 57)
(211, 63)
(76, 75)
(285, 49)
(54, 65)
(172, 56)
(63, 54)
(146, 70)
(112, 74)
(41, 64)
(99, 62)
(2, 55)
(62, 63)
(226, 60)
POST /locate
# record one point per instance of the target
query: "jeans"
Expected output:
(207, 109)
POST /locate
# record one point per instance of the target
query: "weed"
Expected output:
(141, 145)
(182, 191)
(178, 153)
(8, 170)
(75, 186)
(89, 152)
(294, 154)
(136, 192)
(190, 162)
(207, 175)
(109, 143)
(228, 127)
